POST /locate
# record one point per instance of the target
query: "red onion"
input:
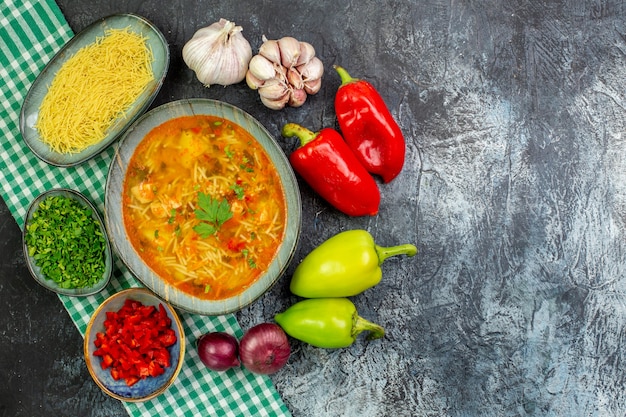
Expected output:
(218, 351)
(264, 349)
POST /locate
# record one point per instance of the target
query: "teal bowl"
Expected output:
(36, 270)
(114, 219)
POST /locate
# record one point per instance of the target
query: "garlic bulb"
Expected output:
(285, 72)
(218, 54)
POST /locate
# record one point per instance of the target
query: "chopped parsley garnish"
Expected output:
(172, 216)
(67, 243)
(212, 214)
(251, 262)
(238, 189)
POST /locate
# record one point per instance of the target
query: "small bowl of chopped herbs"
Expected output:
(65, 243)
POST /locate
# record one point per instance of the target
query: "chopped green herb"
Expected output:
(229, 153)
(66, 243)
(251, 262)
(238, 189)
(207, 288)
(246, 164)
(212, 214)
(172, 216)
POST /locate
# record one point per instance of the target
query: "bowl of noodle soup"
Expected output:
(202, 206)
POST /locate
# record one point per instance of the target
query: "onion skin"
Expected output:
(264, 349)
(218, 351)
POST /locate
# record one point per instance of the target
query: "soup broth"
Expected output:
(203, 206)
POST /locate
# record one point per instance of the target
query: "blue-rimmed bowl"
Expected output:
(149, 387)
(114, 218)
(35, 270)
(30, 108)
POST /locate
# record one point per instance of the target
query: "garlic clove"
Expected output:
(261, 68)
(281, 72)
(313, 70)
(275, 104)
(273, 90)
(313, 86)
(307, 52)
(295, 79)
(252, 81)
(270, 50)
(289, 51)
(297, 97)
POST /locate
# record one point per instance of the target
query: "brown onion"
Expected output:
(264, 349)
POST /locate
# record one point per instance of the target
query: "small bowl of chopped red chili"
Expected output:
(65, 243)
(134, 345)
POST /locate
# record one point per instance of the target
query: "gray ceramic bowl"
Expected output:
(36, 271)
(114, 216)
(37, 92)
(149, 387)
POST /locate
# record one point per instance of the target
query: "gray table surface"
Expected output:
(514, 190)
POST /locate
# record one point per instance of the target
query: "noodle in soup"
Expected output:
(203, 206)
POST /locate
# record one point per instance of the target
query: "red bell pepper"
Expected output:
(368, 126)
(328, 165)
(135, 341)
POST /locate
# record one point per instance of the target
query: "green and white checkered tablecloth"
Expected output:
(31, 31)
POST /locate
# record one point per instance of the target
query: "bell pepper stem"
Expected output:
(343, 74)
(301, 132)
(388, 252)
(362, 325)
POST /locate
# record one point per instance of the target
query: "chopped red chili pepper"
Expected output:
(328, 165)
(368, 127)
(134, 343)
(236, 245)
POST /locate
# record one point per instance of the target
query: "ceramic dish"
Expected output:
(38, 90)
(114, 216)
(149, 387)
(36, 270)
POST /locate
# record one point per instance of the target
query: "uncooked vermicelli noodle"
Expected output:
(94, 88)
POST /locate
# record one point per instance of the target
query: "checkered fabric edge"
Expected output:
(31, 33)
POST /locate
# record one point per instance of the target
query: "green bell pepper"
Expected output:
(344, 265)
(326, 322)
